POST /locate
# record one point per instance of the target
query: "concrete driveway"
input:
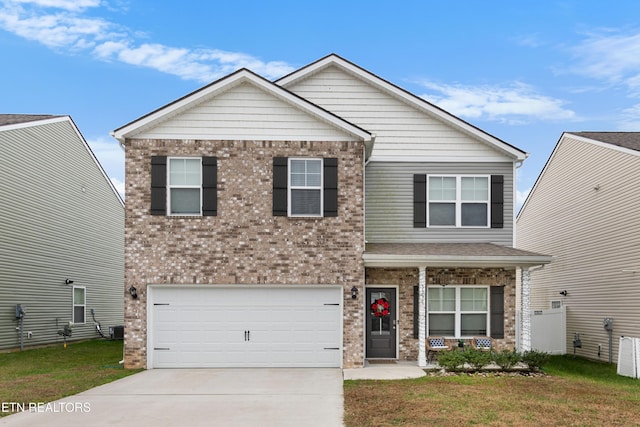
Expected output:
(199, 397)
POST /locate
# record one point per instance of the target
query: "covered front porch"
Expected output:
(453, 274)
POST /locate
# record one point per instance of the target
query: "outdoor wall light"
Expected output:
(563, 293)
(133, 291)
(354, 293)
(68, 281)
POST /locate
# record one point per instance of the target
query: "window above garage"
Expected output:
(305, 187)
(184, 186)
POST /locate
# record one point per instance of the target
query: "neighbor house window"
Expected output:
(457, 311)
(79, 304)
(458, 201)
(305, 187)
(185, 186)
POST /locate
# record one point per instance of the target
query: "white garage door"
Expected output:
(197, 326)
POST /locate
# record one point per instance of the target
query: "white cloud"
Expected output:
(516, 103)
(521, 196)
(60, 24)
(119, 185)
(110, 155)
(629, 119)
(75, 5)
(610, 56)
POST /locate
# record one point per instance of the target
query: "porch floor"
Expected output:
(387, 371)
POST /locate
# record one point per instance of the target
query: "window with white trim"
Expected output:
(305, 187)
(184, 185)
(79, 304)
(556, 304)
(457, 311)
(458, 201)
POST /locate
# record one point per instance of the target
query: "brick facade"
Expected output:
(406, 278)
(244, 243)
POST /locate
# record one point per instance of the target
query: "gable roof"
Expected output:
(630, 140)
(226, 83)
(627, 142)
(404, 95)
(19, 121)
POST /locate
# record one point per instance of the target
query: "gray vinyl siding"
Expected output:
(389, 204)
(59, 218)
(245, 112)
(584, 211)
(401, 130)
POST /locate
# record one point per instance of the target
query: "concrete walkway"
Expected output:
(201, 397)
(385, 371)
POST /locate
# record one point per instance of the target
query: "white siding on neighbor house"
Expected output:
(389, 204)
(584, 211)
(401, 129)
(246, 112)
(59, 219)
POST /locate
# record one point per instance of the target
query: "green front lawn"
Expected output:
(575, 392)
(50, 373)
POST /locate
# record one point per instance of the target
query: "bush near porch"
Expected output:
(473, 359)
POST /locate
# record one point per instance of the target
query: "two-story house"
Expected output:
(323, 219)
(61, 235)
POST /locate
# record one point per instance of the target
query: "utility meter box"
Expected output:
(608, 323)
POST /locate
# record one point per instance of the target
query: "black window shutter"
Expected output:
(331, 187)
(419, 201)
(497, 201)
(280, 181)
(209, 186)
(158, 185)
(497, 311)
(416, 311)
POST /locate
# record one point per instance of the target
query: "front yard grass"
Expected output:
(50, 373)
(575, 392)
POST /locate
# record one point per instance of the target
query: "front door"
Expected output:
(381, 323)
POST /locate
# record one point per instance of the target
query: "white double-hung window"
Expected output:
(305, 187)
(458, 311)
(458, 201)
(185, 186)
(79, 304)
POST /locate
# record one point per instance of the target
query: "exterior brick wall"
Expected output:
(244, 243)
(407, 278)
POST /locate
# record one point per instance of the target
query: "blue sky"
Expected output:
(523, 71)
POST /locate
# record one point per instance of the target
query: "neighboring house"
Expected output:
(583, 209)
(61, 234)
(320, 220)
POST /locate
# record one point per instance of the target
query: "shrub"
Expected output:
(451, 360)
(477, 358)
(507, 359)
(535, 359)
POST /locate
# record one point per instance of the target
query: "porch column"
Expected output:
(422, 292)
(525, 310)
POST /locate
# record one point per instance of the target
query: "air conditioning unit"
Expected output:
(116, 332)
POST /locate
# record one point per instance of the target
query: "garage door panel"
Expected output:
(242, 326)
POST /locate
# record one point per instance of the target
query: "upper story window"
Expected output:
(305, 187)
(458, 201)
(458, 311)
(185, 186)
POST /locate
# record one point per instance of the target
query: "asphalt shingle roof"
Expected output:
(629, 140)
(12, 119)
